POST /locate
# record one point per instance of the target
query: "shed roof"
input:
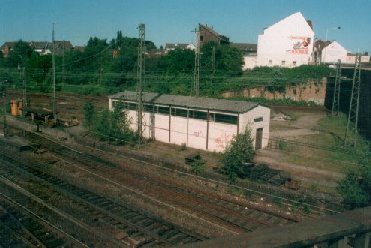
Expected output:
(189, 101)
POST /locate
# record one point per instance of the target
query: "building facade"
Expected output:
(332, 52)
(248, 54)
(327, 52)
(201, 123)
(287, 43)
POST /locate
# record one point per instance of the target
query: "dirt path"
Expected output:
(306, 124)
(303, 125)
(301, 173)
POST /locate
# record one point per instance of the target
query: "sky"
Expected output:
(172, 21)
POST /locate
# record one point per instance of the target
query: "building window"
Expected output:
(148, 108)
(270, 62)
(222, 118)
(294, 63)
(163, 110)
(200, 115)
(131, 106)
(283, 62)
(258, 119)
(179, 112)
(201, 38)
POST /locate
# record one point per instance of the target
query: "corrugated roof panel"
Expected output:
(189, 101)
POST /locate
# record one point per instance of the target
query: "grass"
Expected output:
(325, 150)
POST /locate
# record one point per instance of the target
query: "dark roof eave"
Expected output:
(230, 106)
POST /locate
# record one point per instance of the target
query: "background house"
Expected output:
(208, 34)
(330, 52)
(172, 46)
(249, 52)
(287, 43)
(199, 122)
(41, 47)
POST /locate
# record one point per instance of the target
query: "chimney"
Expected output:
(310, 24)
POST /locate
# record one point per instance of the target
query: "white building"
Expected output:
(330, 52)
(172, 46)
(333, 52)
(287, 43)
(197, 122)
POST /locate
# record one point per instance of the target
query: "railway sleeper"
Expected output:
(133, 242)
(170, 233)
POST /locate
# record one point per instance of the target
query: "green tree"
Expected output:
(120, 124)
(178, 60)
(19, 54)
(227, 59)
(89, 115)
(102, 124)
(113, 126)
(239, 151)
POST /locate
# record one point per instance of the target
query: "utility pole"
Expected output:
(53, 64)
(24, 99)
(3, 90)
(351, 132)
(63, 76)
(213, 63)
(140, 79)
(336, 95)
(196, 77)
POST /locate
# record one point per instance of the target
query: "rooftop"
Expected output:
(189, 101)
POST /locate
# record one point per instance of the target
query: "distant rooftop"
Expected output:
(189, 101)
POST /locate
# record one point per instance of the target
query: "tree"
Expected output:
(239, 151)
(19, 54)
(227, 59)
(89, 115)
(120, 124)
(355, 187)
(109, 125)
(178, 60)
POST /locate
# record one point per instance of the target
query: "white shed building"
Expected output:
(287, 43)
(197, 122)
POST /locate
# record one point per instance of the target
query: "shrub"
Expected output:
(355, 187)
(239, 151)
(196, 162)
(89, 115)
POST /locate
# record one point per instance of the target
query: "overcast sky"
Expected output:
(171, 21)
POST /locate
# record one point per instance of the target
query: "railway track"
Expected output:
(131, 227)
(21, 226)
(236, 217)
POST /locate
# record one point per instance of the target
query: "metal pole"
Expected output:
(213, 61)
(4, 108)
(336, 93)
(53, 64)
(351, 130)
(140, 77)
(196, 80)
(334, 28)
(63, 76)
(24, 104)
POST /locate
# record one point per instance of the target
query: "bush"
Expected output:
(89, 115)
(111, 126)
(196, 162)
(240, 151)
(355, 188)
